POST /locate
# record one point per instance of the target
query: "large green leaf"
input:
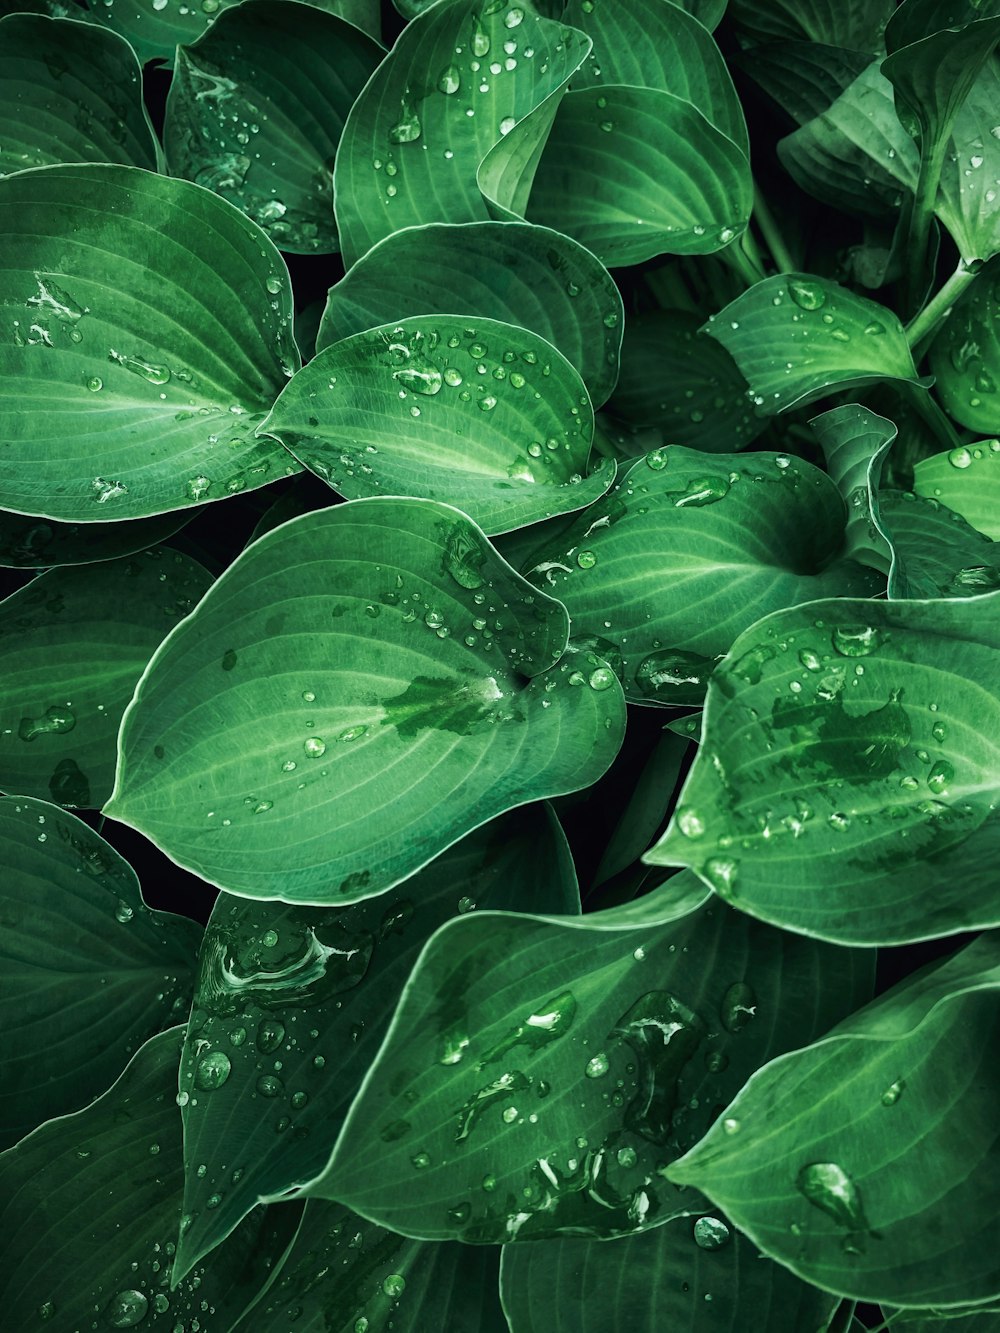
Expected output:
(532, 277)
(89, 971)
(868, 1163)
(150, 333)
(156, 27)
(855, 24)
(936, 553)
(796, 336)
(31, 543)
(685, 553)
(408, 155)
(847, 781)
(804, 78)
(966, 479)
(537, 1074)
(965, 355)
(73, 643)
(692, 1274)
(967, 195)
(855, 442)
(265, 1098)
(363, 686)
(675, 377)
(89, 1211)
(256, 109)
(69, 93)
(484, 416)
(345, 1274)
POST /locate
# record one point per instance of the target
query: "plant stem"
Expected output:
(932, 415)
(740, 261)
(925, 197)
(773, 238)
(938, 307)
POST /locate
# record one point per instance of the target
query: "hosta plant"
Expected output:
(499, 717)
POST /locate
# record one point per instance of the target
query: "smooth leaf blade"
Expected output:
(567, 1098)
(967, 480)
(73, 643)
(529, 276)
(255, 112)
(855, 443)
(89, 970)
(936, 553)
(857, 800)
(795, 336)
(871, 1188)
(150, 333)
(965, 355)
(484, 416)
(317, 657)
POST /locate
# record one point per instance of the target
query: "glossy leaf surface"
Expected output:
(936, 553)
(317, 655)
(965, 356)
(855, 443)
(966, 479)
(856, 24)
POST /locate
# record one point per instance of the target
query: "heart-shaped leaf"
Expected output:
(73, 643)
(31, 543)
(292, 1003)
(382, 682)
(795, 336)
(689, 551)
(484, 416)
(847, 782)
(69, 92)
(532, 277)
(256, 109)
(89, 971)
(965, 355)
(850, 1160)
(89, 1209)
(150, 333)
(966, 479)
(538, 1074)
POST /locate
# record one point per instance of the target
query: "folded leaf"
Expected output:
(89, 971)
(847, 781)
(532, 277)
(965, 355)
(855, 443)
(362, 687)
(966, 479)
(936, 553)
(150, 333)
(481, 415)
(73, 643)
(537, 1074)
(867, 1163)
(256, 109)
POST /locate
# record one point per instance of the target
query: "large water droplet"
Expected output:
(828, 1187)
(58, 718)
(407, 129)
(739, 1006)
(127, 1309)
(855, 640)
(150, 371)
(212, 1070)
(449, 80)
(710, 1233)
(394, 1285)
(807, 295)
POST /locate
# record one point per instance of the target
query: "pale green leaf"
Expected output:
(936, 553)
(966, 479)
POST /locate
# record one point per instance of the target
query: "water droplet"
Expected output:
(627, 1156)
(229, 659)
(270, 1035)
(710, 1233)
(46, 1310)
(730, 1125)
(657, 459)
(939, 731)
(807, 295)
(123, 912)
(597, 1066)
(197, 486)
(513, 18)
(58, 719)
(739, 1006)
(941, 776)
(147, 370)
(94, 383)
(690, 822)
(586, 559)
(314, 747)
(702, 491)
(960, 458)
(421, 1160)
(487, 403)
(602, 678)
(855, 640)
(721, 872)
(407, 129)
(828, 1187)
(507, 124)
(893, 1093)
(127, 1309)
(269, 1085)
(394, 1285)
(449, 81)
(212, 1070)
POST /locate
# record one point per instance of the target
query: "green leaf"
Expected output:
(646, 808)
(935, 552)
(568, 1099)
(255, 112)
(966, 479)
(155, 29)
(685, 553)
(408, 156)
(69, 93)
(878, 1173)
(266, 1099)
(693, 1273)
(31, 543)
(795, 336)
(90, 1205)
(965, 355)
(967, 195)
(847, 780)
(803, 77)
(311, 694)
(89, 971)
(484, 416)
(855, 24)
(532, 277)
(344, 1271)
(674, 377)
(855, 443)
(73, 643)
(147, 343)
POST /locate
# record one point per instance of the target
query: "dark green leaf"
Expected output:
(855, 24)
(69, 93)
(292, 1004)
(256, 109)
(484, 416)
(966, 479)
(89, 971)
(89, 1211)
(855, 443)
(557, 1116)
(965, 355)
(935, 552)
(847, 781)
(31, 543)
(646, 807)
(803, 77)
(532, 277)
(967, 196)
(868, 1162)
(327, 685)
(685, 553)
(796, 336)
(73, 643)
(150, 333)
